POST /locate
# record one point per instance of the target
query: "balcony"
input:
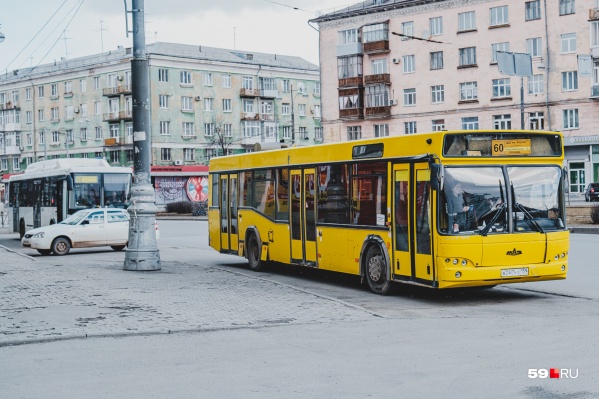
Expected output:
(10, 127)
(381, 46)
(269, 93)
(112, 141)
(11, 150)
(383, 112)
(257, 139)
(116, 91)
(125, 115)
(349, 49)
(352, 113)
(267, 117)
(595, 92)
(111, 117)
(249, 93)
(384, 78)
(593, 14)
(9, 105)
(250, 116)
(356, 81)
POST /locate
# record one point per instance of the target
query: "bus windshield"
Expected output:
(475, 200)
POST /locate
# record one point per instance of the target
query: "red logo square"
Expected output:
(553, 373)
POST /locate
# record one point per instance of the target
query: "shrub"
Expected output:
(595, 214)
(200, 209)
(179, 207)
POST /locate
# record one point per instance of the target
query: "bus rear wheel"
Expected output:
(253, 253)
(61, 246)
(376, 271)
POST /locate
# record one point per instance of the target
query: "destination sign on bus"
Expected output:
(511, 147)
(86, 179)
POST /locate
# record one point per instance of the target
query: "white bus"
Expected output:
(49, 191)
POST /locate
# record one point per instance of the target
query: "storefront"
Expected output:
(582, 161)
(180, 183)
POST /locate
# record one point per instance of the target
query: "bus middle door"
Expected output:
(303, 217)
(228, 213)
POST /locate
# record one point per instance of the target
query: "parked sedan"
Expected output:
(86, 228)
(592, 192)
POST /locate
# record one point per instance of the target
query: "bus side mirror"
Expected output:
(436, 176)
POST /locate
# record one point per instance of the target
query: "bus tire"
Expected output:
(117, 247)
(375, 269)
(61, 246)
(44, 251)
(254, 250)
(22, 228)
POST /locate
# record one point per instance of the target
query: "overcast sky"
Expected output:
(35, 30)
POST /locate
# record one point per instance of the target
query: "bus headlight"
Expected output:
(455, 262)
(556, 257)
(563, 255)
(39, 235)
(464, 262)
(458, 274)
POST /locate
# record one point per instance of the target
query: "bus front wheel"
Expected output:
(376, 271)
(61, 246)
(253, 253)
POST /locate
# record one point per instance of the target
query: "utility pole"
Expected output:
(292, 118)
(142, 251)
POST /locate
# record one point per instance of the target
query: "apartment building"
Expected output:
(391, 67)
(206, 102)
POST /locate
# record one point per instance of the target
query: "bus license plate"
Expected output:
(523, 271)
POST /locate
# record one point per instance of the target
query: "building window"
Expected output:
(435, 26)
(568, 43)
(285, 109)
(227, 129)
(163, 101)
(437, 94)
(348, 36)
(536, 121)
(83, 109)
(375, 33)
(381, 130)
(165, 154)
(377, 96)
(317, 111)
(502, 122)
(53, 90)
(532, 10)
(226, 105)
(266, 107)
(468, 56)
(533, 47)
(498, 16)
(226, 80)
(409, 97)
(208, 104)
(501, 88)
(468, 91)
(438, 125)
(378, 66)
(303, 133)
(248, 106)
(247, 82)
(209, 129)
(165, 128)
(318, 133)
(97, 83)
(83, 85)
(68, 87)
(114, 130)
(98, 135)
(189, 154)
(407, 30)
(267, 84)
(251, 129)
(16, 163)
(351, 101)
(570, 81)
(466, 21)
(354, 133)
(185, 77)
(301, 109)
(317, 86)
(207, 79)
(535, 84)
(210, 153)
(301, 88)
(437, 60)
(83, 134)
(97, 108)
(40, 115)
(567, 7)
(470, 123)
(54, 114)
(186, 103)
(505, 47)
(286, 132)
(55, 137)
(188, 129)
(129, 155)
(28, 116)
(286, 86)
(40, 92)
(163, 75)
(570, 117)
(410, 127)
(348, 67)
(409, 63)
(29, 139)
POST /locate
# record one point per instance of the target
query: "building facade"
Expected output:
(392, 67)
(206, 102)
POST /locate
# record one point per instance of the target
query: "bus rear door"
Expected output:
(303, 222)
(228, 213)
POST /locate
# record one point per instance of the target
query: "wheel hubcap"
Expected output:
(375, 268)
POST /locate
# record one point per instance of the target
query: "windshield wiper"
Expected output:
(486, 229)
(529, 217)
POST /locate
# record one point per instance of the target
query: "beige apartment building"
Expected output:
(391, 67)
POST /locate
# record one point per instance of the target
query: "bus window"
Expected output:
(423, 231)
(263, 192)
(87, 191)
(245, 187)
(333, 202)
(369, 196)
(215, 178)
(282, 196)
(401, 215)
(117, 190)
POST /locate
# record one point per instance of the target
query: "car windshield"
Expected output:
(479, 201)
(75, 218)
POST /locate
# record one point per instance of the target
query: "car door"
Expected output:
(91, 231)
(117, 228)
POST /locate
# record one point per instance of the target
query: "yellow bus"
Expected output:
(442, 210)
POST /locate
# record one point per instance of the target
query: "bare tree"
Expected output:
(220, 139)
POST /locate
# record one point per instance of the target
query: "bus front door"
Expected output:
(228, 213)
(412, 224)
(303, 212)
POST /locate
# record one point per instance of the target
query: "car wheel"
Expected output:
(61, 246)
(117, 247)
(44, 251)
(376, 271)
(253, 253)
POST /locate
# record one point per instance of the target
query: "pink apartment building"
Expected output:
(391, 67)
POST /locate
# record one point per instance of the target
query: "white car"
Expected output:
(86, 228)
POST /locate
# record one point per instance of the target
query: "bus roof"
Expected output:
(63, 166)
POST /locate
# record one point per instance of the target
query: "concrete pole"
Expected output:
(142, 251)
(292, 119)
